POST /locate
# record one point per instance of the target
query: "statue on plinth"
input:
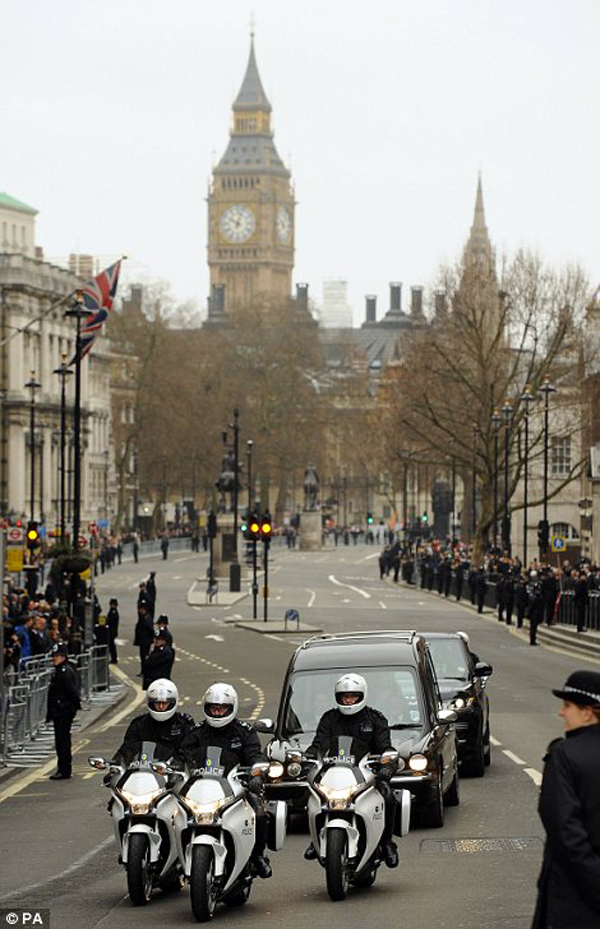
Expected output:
(311, 488)
(226, 483)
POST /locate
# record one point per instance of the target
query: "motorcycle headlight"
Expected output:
(417, 763)
(276, 770)
(337, 797)
(460, 703)
(142, 803)
(294, 769)
(203, 813)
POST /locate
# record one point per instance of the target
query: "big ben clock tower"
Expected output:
(250, 209)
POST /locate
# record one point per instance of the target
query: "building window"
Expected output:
(564, 530)
(561, 455)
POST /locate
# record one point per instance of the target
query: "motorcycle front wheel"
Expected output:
(203, 895)
(139, 875)
(336, 864)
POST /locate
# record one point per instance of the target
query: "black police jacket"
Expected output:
(158, 664)
(368, 729)
(569, 807)
(167, 737)
(236, 743)
(63, 693)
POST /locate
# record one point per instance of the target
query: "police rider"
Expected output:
(162, 725)
(370, 732)
(239, 744)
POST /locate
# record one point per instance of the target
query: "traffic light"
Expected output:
(425, 518)
(543, 534)
(369, 519)
(33, 536)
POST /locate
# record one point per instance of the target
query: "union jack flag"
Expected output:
(98, 297)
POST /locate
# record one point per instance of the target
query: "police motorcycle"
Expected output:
(142, 807)
(346, 815)
(215, 828)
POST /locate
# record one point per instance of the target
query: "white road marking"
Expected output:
(313, 596)
(357, 590)
(495, 741)
(176, 577)
(345, 600)
(382, 605)
(535, 776)
(368, 557)
(135, 701)
(36, 775)
(57, 877)
(217, 638)
(270, 635)
(513, 757)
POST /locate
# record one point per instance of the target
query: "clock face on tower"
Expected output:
(237, 223)
(284, 225)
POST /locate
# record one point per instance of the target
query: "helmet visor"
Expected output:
(162, 706)
(349, 697)
(218, 710)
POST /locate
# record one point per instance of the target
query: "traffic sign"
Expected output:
(14, 559)
(14, 535)
(558, 543)
(93, 528)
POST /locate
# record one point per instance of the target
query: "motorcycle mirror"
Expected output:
(96, 761)
(482, 669)
(265, 725)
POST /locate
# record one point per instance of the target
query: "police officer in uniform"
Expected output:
(159, 662)
(370, 732)
(569, 807)
(63, 704)
(162, 724)
(238, 743)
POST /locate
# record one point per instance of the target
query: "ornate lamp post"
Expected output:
(526, 399)
(496, 420)
(32, 385)
(249, 444)
(63, 372)
(77, 312)
(544, 526)
(507, 418)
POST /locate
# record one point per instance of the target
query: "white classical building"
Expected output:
(33, 339)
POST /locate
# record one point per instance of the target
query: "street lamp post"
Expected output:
(78, 312)
(544, 534)
(106, 455)
(32, 385)
(496, 420)
(249, 444)
(63, 372)
(453, 526)
(474, 488)
(527, 400)
(507, 417)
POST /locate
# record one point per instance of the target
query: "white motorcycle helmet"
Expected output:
(220, 695)
(351, 684)
(162, 691)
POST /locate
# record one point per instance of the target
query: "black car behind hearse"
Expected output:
(402, 684)
(462, 680)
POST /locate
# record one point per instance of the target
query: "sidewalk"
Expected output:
(40, 751)
(565, 638)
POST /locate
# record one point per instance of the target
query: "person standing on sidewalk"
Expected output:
(113, 628)
(521, 600)
(151, 592)
(144, 634)
(580, 599)
(63, 704)
(569, 807)
(164, 546)
(480, 589)
(536, 613)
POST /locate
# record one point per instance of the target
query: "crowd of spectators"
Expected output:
(534, 591)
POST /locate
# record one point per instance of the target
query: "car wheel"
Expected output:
(452, 795)
(476, 766)
(433, 816)
(487, 751)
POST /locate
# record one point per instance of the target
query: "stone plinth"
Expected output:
(311, 531)
(223, 546)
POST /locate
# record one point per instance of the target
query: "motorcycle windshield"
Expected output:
(341, 749)
(210, 761)
(146, 753)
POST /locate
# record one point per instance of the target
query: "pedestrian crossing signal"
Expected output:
(369, 519)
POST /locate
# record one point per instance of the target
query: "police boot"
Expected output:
(262, 866)
(389, 850)
(311, 853)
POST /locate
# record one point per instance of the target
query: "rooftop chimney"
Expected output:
(396, 297)
(441, 307)
(371, 305)
(416, 301)
(302, 296)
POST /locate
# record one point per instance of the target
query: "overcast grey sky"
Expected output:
(113, 112)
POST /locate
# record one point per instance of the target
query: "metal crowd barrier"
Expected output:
(567, 610)
(26, 698)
